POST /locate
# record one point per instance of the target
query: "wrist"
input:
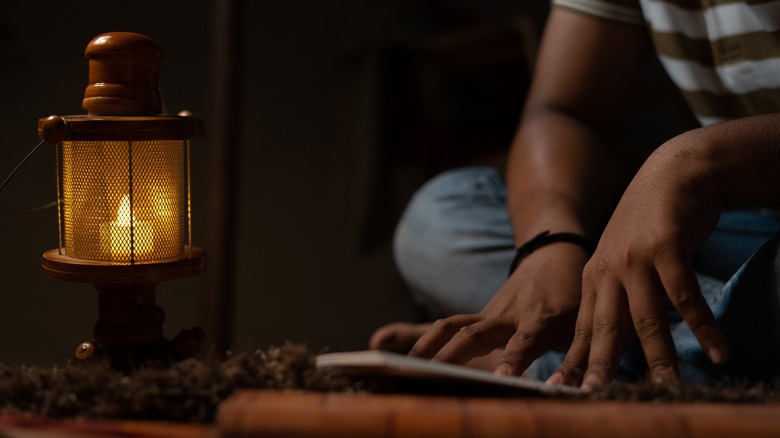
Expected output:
(546, 238)
(554, 213)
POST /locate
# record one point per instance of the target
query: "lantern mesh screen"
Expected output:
(124, 202)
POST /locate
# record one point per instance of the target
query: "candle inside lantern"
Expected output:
(127, 236)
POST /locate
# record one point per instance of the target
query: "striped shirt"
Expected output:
(724, 55)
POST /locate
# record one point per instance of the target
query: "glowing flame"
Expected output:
(127, 236)
(124, 215)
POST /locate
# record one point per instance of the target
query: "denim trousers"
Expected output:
(454, 243)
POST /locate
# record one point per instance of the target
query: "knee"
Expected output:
(435, 239)
(439, 212)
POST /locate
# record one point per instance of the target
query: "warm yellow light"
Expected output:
(125, 202)
(127, 235)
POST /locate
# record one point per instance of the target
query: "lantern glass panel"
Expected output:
(124, 202)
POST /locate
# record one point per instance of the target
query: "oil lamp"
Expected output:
(123, 187)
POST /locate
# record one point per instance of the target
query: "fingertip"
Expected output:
(665, 380)
(502, 369)
(717, 355)
(421, 348)
(588, 385)
(381, 341)
(664, 375)
(590, 382)
(555, 379)
(717, 349)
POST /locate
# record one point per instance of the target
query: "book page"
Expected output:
(381, 363)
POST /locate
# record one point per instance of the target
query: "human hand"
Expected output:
(533, 311)
(646, 252)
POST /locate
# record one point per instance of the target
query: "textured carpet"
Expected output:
(191, 390)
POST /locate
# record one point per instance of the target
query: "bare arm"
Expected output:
(563, 172)
(561, 176)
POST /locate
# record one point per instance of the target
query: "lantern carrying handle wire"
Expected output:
(13, 172)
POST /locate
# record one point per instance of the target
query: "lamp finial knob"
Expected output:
(123, 75)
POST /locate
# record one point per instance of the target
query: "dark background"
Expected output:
(346, 106)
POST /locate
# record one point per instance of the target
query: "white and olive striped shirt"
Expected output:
(723, 54)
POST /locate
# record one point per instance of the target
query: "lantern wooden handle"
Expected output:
(123, 75)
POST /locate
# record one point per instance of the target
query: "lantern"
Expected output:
(123, 185)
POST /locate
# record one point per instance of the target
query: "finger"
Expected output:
(398, 337)
(571, 370)
(683, 290)
(473, 340)
(610, 323)
(440, 333)
(648, 314)
(522, 348)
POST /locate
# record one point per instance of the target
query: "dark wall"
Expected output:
(329, 152)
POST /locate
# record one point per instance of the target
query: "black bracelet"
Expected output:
(545, 238)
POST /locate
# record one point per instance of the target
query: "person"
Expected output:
(667, 269)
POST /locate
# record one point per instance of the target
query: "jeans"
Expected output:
(454, 244)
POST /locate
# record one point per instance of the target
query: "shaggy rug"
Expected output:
(192, 389)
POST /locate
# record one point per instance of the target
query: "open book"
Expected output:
(381, 364)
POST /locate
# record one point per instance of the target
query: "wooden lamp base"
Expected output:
(129, 329)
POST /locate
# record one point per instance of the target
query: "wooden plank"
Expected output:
(300, 414)
(23, 425)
